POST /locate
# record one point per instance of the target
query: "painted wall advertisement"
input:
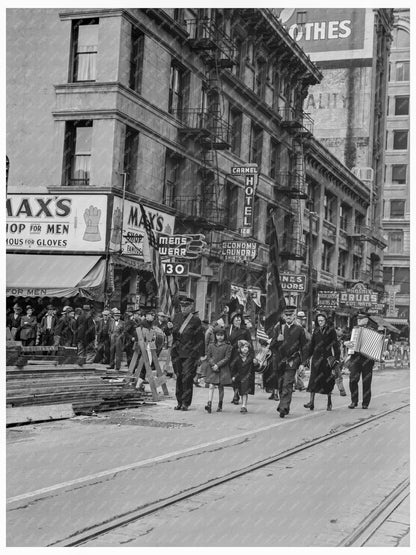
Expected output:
(56, 222)
(127, 239)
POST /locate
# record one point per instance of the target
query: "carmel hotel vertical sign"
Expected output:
(250, 173)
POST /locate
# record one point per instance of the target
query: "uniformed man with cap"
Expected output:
(360, 365)
(287, 345)
(187, 348)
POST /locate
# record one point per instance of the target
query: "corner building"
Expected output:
(107, 108)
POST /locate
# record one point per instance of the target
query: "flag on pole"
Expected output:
(275, 301)
(165, 300)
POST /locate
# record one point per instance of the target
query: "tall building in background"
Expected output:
(396, 197)
(349, 107)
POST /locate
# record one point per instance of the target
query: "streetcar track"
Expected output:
(95, 531)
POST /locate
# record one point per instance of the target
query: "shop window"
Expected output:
(397, 208)
(136, 59)
(235, 123)
(77, 152)
(402, 71)
(256, 144)
(275, 156)
(84, 49)
(395, 242)
(400, 140)
(398, 174)
(131, 148)
(401, 107)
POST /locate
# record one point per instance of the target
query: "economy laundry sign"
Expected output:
(56, 222)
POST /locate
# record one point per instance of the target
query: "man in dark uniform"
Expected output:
(187, 348)
(360, 365)
(287, 345)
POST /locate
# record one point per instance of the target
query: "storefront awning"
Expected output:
(52, 275)
(397, 321)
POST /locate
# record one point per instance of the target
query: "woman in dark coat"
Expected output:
(237, 331)
(324, 344)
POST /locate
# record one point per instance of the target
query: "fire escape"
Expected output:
(206, 126)
(293, 183)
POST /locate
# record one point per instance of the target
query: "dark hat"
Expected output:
(184, 299)
(29, 306)
(50, 307)
(363, 314)
(290, 309)
(67, 309)
(78, 310)
(322, 313)
(105, 312)
(17, 308)
(301, 314)
(16, 305)
(115, 311)
(86, 307)
(234, 315)
(219, 329)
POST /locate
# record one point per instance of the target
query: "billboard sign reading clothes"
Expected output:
(56, 222)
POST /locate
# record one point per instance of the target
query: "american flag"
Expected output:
(261, 334)
(164, 292)
(275, 301)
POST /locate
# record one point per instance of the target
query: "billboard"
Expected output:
(56, 222)
(330, 33)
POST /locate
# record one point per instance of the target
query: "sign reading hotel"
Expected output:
(56, 222)
(293, 282)
(250, 173)
(239, 251)
(127, 229)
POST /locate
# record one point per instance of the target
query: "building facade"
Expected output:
(196, 114)
(396, 197)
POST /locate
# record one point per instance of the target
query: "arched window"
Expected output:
(402, 39)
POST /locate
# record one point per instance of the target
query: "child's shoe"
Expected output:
(208, 407)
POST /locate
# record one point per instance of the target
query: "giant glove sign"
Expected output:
(92, 217)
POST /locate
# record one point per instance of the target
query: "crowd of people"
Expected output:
(224, 352)
(101, 337)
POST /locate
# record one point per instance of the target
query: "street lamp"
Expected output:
(309, 205)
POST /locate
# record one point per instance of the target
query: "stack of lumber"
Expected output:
(21, 356)
(87, 388)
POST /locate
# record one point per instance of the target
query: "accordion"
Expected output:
(367, 342)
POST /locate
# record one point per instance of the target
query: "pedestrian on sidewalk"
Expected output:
(187, 349)
(237, 331)
(323, 350)
(302, 320)
(116, 331)
(287, 345)
(217, 369)
(242, 372)
(341, 335)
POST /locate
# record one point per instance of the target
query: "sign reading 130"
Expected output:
(176, 268)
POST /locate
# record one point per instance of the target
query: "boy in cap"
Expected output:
(288, 345)
(47, 326)
(187, 349)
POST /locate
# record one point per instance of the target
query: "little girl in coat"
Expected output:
(242, 372)
(217, 367)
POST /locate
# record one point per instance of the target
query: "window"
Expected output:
(300, 17)
(402, 39)
(343, 217)
(260, 77)
(342, 263)
(326, 256)
(388, 275)
(256, 145)
(397, 208)
(401, 106)
(398, 174)
(356, 267)
(402, 71)
(136, 60)
(329, 207)
(77, 154)
(238, 41)
(402, 278)
(178, 15)
(235, 123)
(359, 223)
(400, 140)
(85, 44)
(131, 148)
(395, 242)
(275, 154)
(232, 205)
(176, 90)
(173, 164)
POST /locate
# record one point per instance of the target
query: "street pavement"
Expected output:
(65, 476)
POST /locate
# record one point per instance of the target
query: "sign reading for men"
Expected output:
(239, 251)
(293, 282)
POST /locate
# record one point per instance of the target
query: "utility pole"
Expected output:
(310, 267)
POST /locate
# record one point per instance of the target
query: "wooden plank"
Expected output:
(22, 415)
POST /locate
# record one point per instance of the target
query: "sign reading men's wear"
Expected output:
(250, 173)
(56, 222)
